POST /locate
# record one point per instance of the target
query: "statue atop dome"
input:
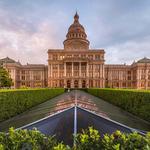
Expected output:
(76, 36)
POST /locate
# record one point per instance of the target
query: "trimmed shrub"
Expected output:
(26, 140)
(90, 140)
(136, 102)
(13, 102)
(87, 140)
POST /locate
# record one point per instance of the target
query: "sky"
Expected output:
(28, 28)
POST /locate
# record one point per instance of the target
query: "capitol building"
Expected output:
(78, 66)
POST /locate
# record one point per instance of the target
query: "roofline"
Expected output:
(75, 51)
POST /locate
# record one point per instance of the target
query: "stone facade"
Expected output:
(136, 75)
(76, 69)
(30, 75)
(78, 66)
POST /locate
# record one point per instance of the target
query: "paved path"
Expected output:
(67, 100)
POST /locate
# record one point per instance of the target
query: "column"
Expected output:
(65, 69)
(32, 79)
(58, 76)
(72, 70)
(79, 81)
(93, 82)
(51, 71)
(65, 84)
(79, 69)
(138, 77)
(101, 72)
(146, 78)
(93, 70)
(57, 70)
(87, 75)
(42, 79)
(72, 83)
(100, 76)
(87, 70)
(103, 76)
(93, 78)
(14, 75)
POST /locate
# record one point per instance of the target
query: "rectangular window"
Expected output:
(69, 56)
(23, 72)
(23, 77)
(97, 57)
(23, 84)
(61, 57)
(55, 57)
(83, 56)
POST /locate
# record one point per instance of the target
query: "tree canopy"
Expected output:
(5, 80)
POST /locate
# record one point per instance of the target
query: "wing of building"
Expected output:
(30, 75)
(78, 66)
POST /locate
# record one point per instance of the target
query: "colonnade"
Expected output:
(76, 76)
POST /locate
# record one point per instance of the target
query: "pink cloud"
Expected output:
(26, 46)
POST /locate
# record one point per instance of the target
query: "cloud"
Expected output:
(29, 47)
(29, 28)
(18, 41)
(128, 51)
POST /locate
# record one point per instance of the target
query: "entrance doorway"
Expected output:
(83, 84)
(76, 84)
(68, 84)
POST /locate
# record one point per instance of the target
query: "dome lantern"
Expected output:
(76, 17)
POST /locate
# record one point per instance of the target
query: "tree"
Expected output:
(5, 80)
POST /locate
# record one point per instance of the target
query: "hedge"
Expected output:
(136, 102)
(89, 139)
(13, 102)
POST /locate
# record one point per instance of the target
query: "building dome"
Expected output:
(76, 36)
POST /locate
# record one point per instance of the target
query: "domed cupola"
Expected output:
(76, 36)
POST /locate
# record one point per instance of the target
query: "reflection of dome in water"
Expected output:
(76, 36)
